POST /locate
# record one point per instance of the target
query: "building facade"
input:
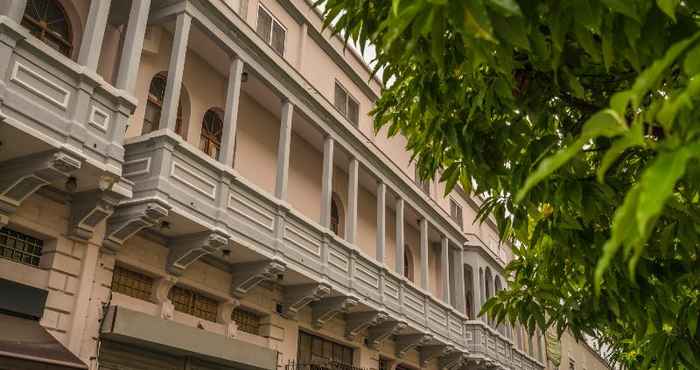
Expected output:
(196, 184)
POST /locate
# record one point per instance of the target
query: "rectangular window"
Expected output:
(456, 212)
(193, 303)
(318, 351)
(20, 247)
(423, 184)
(271, 30)
(346, 104)
(132, 283)
(246, 321)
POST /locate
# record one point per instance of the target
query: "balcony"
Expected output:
(196, 195)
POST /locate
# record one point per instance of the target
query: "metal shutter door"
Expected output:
(117, 356)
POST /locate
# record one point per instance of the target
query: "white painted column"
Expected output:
(233, 95)
(91, 45)
(381, 222)
(423, 224)
(460, 295)
(351, 215)
(176, 68)
(399, 237)
(283, 146)
(13, 9)
(327, 182)
(132, 46)
(445, 268)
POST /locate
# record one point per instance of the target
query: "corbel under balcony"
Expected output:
(429, 352)
(452, 361)
(88, 209)
(187, 249)
(407, 342)
(246, 276)
(356, 322)
(327, 308)
(128, 219)
(23, 176)
(379, 333)
(297, 297)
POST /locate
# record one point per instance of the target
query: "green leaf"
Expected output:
(507, 7)
(512, 30)
(634, 137)
(668, 7)
(691, 64)
(476, 20)
(604, 123)
(625, 7)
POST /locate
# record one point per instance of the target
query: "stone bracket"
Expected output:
(297, 297)
(88, 209)
(246, 276)
(129, 219)
(358, 321)
(452, 361)
(379, 333)
(185, 250)
(430, 352)
(159, 295)
(224, 316)
(23, 176)
(407, 342)
(327, 308)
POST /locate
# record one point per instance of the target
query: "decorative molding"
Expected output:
(407, 342)
(246, 276)
(88, 210)
(129, 219)
(185, 250)
(61, 103)
(356, 322)
(101, 124)
(223, 316)
(173, 173)
(379, 333)
(297, 297)
(159, 295)
(327, 308)
(129, 170)
(452, 361)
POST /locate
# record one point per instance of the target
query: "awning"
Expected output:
(24, 342)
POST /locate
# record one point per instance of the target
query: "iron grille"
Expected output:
(132, 283)
(328, 365)
(246, 321)
(193, 303)
(20, 247)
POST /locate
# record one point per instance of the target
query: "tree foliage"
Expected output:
(577, 121)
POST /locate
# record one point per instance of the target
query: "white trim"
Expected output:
(251, 205)
(138, 172)
(94, 111)
(211, 195)
(61, 104)
(274, 19)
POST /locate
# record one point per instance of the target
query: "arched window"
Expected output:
(154, 105)
(335, 216)
(407, 263)
(47, 20)
(210, 137)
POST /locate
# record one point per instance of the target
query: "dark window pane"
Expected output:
(353, 111)
(20, 247)
(340, 99)
(278, 37)
(264, 27)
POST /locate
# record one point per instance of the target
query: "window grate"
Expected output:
(317, 350)
(132, 283)
(20, 247)
(192, 303)
(246, 321)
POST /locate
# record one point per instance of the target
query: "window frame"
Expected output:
(32, 247)
(324, 342)
(459, 219)
(127, 272)
(274, 19)
(244, 326)
(45, 34)
(209, 141)
(348, 97)
(194, 303)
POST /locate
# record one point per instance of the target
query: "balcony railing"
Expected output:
(57, 100)
(165, 168)
(321, 365)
